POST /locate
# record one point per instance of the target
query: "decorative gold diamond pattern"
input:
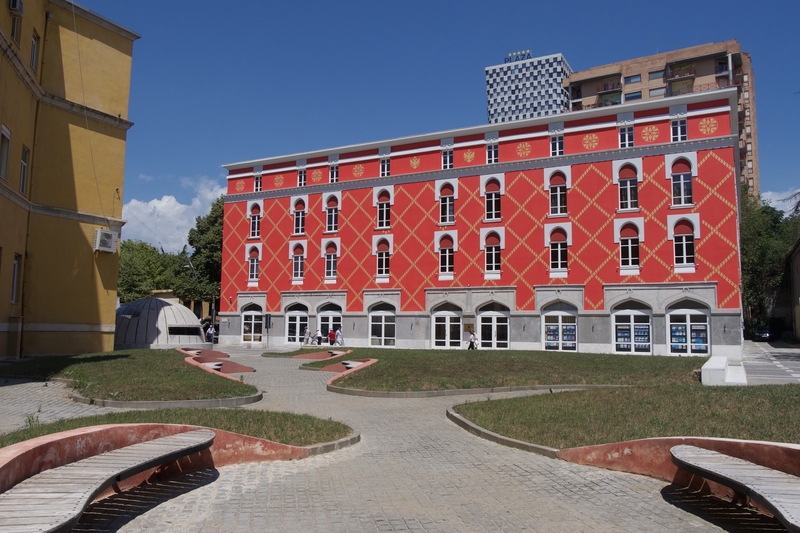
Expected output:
(357, 248)
(470, 261)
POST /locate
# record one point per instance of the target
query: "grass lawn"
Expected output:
(569, 419)
(133, 375)
(422, 370)
(286, 428)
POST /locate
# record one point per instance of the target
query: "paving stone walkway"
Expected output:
(415, 471)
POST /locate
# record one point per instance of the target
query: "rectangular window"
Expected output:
(34, 51)
(636, 78)
(558, 255)
(384, 215)
(446, 257)
(679, 130)
(301, 178)
(626, 137)
(447, 159)
(16, 28)
(299, 222)
(493, 258)
(656, 75)
(5, 145)
(332, 220)
(253, 270)
(633, 96)
(492, 154)
(629, 252)
(681, 189)
(447, 213)
(658, 91)
(385, 167)
(298, 266)
(558, 199)
(16, 274)
(383, 264)
(257, 183)
(333, 174)
(556, 145)
(632, 333)
(330, 265)
(255, 225)
(492, 206)
(684, 249)
(628, 194)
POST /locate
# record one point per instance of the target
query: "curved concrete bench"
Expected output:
(778, 492)
(54, 500)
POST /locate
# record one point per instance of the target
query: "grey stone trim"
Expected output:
(82, 110)
(454, 392)
(459, 420)
(14, 196)
(328, 447)
(190, 404)
(515, 166)
(113, 223)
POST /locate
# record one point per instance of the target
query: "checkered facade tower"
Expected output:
(525, 87)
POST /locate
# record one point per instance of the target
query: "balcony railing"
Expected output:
(682, 73)
(722, 84)
(609, 87)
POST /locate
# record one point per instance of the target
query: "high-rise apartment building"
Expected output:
(65, 75)
(524, 87)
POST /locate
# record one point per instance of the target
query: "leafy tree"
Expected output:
(766, 237)
(201, 280)
(143, 268)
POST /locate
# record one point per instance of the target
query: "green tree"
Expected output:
(201, 280)
(766, 237)
(143, 268)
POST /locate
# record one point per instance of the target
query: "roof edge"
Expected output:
(97, 18)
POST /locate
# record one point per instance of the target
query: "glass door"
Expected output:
(494, 331)
(560, 333)
(446, 331)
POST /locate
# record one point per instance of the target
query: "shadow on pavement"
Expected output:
(726, 515)
(111, 514)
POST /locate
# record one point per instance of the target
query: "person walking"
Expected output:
(318, 337)
(332, 336)
(210, 333)
(306, 336)
(339, 337)
(473, 341)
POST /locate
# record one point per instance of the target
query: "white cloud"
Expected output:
(145, 177)
(165, 222)
(777, 199)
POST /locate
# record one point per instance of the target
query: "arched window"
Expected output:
(688, 331)
(384, 210)
(558, 250)
(446, 320)
(628, 246)
(446, 257)
(447, 206)
(298, 262)
(296, 322)
(332, 215)
(558, 194)
(253, 264)
(383, 260)
(628, 188)
(493, 325)
(299, 217)
(252, 323)
(492, 249)
(681, 183)
(493, 200)
(330, 261)
(382, 325)
(632, 328)
(329, 318)
(255, 221)
(683, 235)
(560, 327)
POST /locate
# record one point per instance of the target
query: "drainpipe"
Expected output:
(730, 69)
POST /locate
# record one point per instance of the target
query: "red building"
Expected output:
(607, 230)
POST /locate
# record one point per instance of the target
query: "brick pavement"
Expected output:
(414, 470)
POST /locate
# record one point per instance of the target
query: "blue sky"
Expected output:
(221, 82)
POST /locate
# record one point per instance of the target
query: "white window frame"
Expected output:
(331, 219)
(301, 177)
(561, 344)
(446, 255)
(299, 222)
(23, 169)
(379, 318)
(331, 260)
(300, 318)
(298, 280)
(684, 267)
(685, 195)
(679, 129)
(556, 145)
(333, 174)
(492, 153)
(639, 348)
(252, 263)
(626, 138)
(559, 271)
(688, 343)
(619, 223)
(447, 159)
(383, 259)
(255, 226)
(630, 188)
(384, 209)
(35, 42)
(447, 210)
(492, 254)
(386, 167)
(253, 318)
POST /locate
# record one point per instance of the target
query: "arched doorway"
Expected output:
(296, 322)
(382, 325)
(252, 323)
(560, 327)
(493, 325)
(687, 328)
(329, 317)
(446, 320)
(633, 328)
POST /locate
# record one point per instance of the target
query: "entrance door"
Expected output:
(329, 317)
(296, 322)
(493, 321)
(252, 323)
(447, 331)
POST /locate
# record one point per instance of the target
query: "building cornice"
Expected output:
(39, 93)
(97, 19)
(729, 93)
(113, 223)
(514, 166)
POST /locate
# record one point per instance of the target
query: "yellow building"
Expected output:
(64, 88)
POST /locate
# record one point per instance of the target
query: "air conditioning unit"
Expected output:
(16, 7)
(105, 241)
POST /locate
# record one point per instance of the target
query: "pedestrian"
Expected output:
(339, 337)
(210, 333)
(473, 340)
(318, 337)
(332, 336)
(306, 336)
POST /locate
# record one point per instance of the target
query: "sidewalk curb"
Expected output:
(328, 447)
(459, 420)
(456, 392)
(170, 404)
